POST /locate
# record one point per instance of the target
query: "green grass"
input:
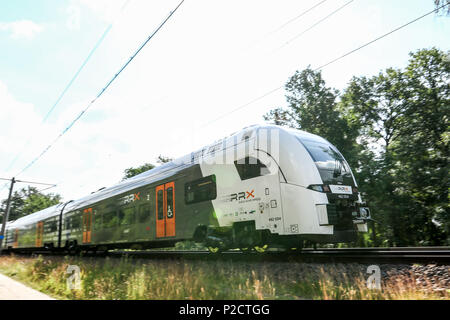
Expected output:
(105, 278)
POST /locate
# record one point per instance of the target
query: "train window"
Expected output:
(250, 167)
(75, 222)
(144, 213)
(200, 190)
(67, 223)
(325, 156)
(126, 216)
(97, 221)
(169, 198)
(160, 205)
(52, 226)
(110, 219)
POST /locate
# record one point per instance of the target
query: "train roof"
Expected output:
(35, 217)
(155, 174)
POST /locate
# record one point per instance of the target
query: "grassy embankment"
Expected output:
(107, 278)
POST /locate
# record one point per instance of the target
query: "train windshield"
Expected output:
(331, 164)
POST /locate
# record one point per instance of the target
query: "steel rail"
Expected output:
(437, 255)
(440, 255)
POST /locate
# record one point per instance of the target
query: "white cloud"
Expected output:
(21, 29)
(14, 117)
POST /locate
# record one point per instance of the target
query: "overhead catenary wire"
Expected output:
(256, 99)
(14, 181)
(300, 15)
(242, 106)
(280, 87)
(326, 64)
(41, 190)
(52, 185)
(315, 24)
(297, 17)
(380, 37)
(101, 91)
(69, 84)
(30, 182)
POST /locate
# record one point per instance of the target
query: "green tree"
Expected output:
(378, 104)
(131, 172)
(162, 159)
(404, 114)
(439, 3)
(421, 150)
(28, 200)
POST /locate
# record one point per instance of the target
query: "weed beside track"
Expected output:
(127, 278)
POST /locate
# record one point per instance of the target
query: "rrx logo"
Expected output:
(242, 195)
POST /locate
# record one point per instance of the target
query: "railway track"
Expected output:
(436, 255)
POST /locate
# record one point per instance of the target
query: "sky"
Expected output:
(179, 93)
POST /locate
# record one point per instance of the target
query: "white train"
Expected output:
(264, 185)
(288, 185)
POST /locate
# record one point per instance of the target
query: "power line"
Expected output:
(242, 106)
(102, 91)
(298, 16)
(315, 24)
(326, 64)
(39, 191)
(49, 185)
(30, 182)
(291, 20)
(97, 44)
(380, 37)
(280, 87)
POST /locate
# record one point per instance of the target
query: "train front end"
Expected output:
(320, 196)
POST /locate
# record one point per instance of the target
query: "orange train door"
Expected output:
(87, 225)
(165, 210)
(39, 233)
